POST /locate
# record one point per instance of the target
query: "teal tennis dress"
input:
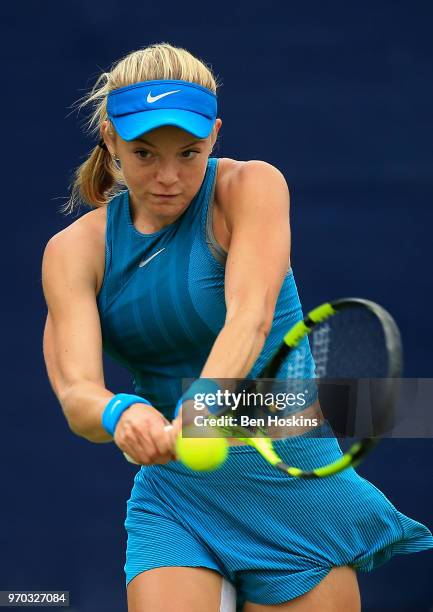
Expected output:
(274, 537)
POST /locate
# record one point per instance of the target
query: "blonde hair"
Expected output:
(99, 178)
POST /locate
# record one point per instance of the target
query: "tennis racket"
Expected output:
(355, 345)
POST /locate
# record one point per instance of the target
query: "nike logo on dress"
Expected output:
(146, 261)
(151, 98)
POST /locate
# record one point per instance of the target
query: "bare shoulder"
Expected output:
(81, 244)
(231, 171)
(234, 177)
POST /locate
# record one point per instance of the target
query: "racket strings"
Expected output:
(358, 342)
(350, 344)
(320, 341)
(347, 349)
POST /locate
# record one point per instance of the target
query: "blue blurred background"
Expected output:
(339, 97)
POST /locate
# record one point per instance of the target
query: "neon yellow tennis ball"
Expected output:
(202, 454)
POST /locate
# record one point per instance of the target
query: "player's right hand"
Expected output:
(145, 435)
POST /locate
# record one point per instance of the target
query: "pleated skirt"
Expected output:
(273, 537)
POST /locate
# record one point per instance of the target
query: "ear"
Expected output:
(108, 136)
(215, 130)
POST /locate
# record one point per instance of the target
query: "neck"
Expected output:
(146, 221)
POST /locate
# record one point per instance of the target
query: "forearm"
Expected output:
(236, 349)
(83, 404)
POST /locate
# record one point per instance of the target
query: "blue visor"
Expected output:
(145, 106)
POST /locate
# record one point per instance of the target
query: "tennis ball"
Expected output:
(202, 454)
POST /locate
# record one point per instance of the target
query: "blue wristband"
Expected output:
(116, 407)
(201, 385)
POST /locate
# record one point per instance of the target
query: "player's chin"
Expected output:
(171, 206)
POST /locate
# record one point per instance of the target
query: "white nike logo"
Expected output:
(151, 98)
(145, 261)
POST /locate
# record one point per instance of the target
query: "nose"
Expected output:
(166, 173)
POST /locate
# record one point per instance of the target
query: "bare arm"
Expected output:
(258, 259)
(72, 338)
(73, 352)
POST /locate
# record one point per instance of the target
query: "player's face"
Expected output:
(164, 168)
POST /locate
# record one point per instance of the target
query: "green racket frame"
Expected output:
(358, 451)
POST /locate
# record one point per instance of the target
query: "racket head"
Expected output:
(357, 355)
(337, 350)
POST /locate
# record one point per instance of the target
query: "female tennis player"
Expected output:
(182, 270)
